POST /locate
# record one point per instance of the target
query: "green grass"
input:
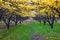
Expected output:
(25, 32)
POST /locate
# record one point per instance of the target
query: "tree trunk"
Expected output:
(8, 23)
(16, 21)
(44, 22)
(52, 22)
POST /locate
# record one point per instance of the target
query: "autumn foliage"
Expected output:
(48, 10)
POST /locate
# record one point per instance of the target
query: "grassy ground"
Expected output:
(27, 31)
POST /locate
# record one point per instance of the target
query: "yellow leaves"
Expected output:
(15, 0)
(23, 13)
(50, 2)
(26, 9)
(7, 3)
(35, 1)
(20, 5)
(24, 1)
(1, 1)
(56, 16)
(29, 7)
(20, 1)
(26, 13)
(43, 10)
(45, 1)
(32, 13)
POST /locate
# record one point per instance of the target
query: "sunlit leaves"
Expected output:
(25, 7)
(0, 0)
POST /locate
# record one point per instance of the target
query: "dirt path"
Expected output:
(37, 36)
